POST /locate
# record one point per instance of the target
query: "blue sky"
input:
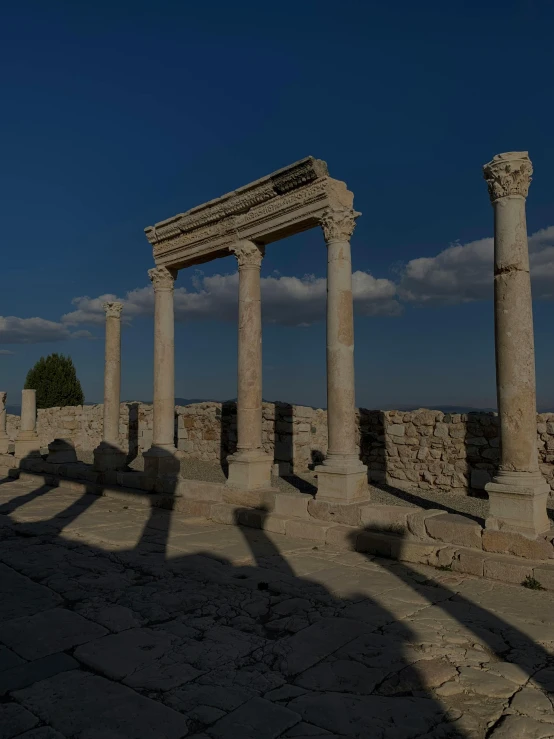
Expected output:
(117, 115)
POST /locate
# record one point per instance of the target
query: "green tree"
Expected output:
(55, 380)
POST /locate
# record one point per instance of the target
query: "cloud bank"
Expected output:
(461, 273)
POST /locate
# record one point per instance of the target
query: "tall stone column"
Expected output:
(27, 443)
(160, 458)
(250, 466)
(4, 439)
(518, 492)
(342, 477)
(108, 455)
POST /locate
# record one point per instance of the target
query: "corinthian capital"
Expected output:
(508, 174)
(162, 278)
(338, 223)
(248, 254)
(113, 310)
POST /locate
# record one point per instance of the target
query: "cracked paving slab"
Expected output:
(118, 621)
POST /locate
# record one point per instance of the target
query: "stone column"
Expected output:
(342, 477)
(109, 455)
(4, 439)
(27, 443)
(250, 466)
(518, 492)
(160, 458)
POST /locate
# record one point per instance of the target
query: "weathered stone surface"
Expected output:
(14, 720)
(20, 596)
(454, 529)
(73, 702)
(256, 719)
(522, 727)
(49, 632)
(31, 672)
(516, 544)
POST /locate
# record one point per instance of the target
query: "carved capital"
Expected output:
(338, 223)
(113, 310)
(248, 254)
(162, 278)
(508, 174)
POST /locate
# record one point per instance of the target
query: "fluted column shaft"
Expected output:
(112, 372)
(163, 280)
(508, 177)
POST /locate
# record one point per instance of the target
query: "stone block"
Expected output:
(29, 673)
(544, 575)
(396, 429)
(455, 529)
(371, 542)
(306, 529)
(386, 517)
(250, 471)
(294, 505)
(342, 484)
(409, 550)
(345, 513)
(252, 720)
(469, 562)
(508, 542)
(416, 521)
(507, 569)
(343, 537)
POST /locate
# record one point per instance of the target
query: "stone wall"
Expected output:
(423, 448)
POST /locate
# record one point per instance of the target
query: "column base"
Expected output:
(4, 445)
(160, 461)
(250, 470)
(107, 457)
(517, 502)
(342, 480)
(27, 444)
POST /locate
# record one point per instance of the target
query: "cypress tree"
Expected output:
(55, 380)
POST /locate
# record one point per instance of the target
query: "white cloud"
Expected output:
(464, 272)
(15, 330)
(6, 352)
(290, 301)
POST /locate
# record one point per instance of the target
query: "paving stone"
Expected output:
(79, 704)
(423, 674)
(9, 659)
(31, 672)
(225, 698)
(485, 683)
(14, 720)
(317, 641)
(351, 716)
(206, 714)
(533, 703)
(304, 730)
(45, 732)
(256, 719)
(20, 596)
(522, 727)
(46, 633)
(340, 676)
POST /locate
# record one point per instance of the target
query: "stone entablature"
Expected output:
(281, 204)
(426, 449)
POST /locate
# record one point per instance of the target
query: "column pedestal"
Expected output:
(250, 467)
(342, 478)
(27, 443)
(518, 492)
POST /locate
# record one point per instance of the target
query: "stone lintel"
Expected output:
(284, 203)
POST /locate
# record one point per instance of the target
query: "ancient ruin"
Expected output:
(333, 453)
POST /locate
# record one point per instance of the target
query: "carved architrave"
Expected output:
(338, 223)
(508, 174)
(281, 204)
(248, 254)
(113, 309)
(162, 278)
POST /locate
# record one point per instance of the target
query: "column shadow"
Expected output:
(283, 449)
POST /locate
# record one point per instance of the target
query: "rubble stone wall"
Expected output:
(426, 449)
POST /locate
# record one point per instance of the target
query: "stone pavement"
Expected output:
(118, 622)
